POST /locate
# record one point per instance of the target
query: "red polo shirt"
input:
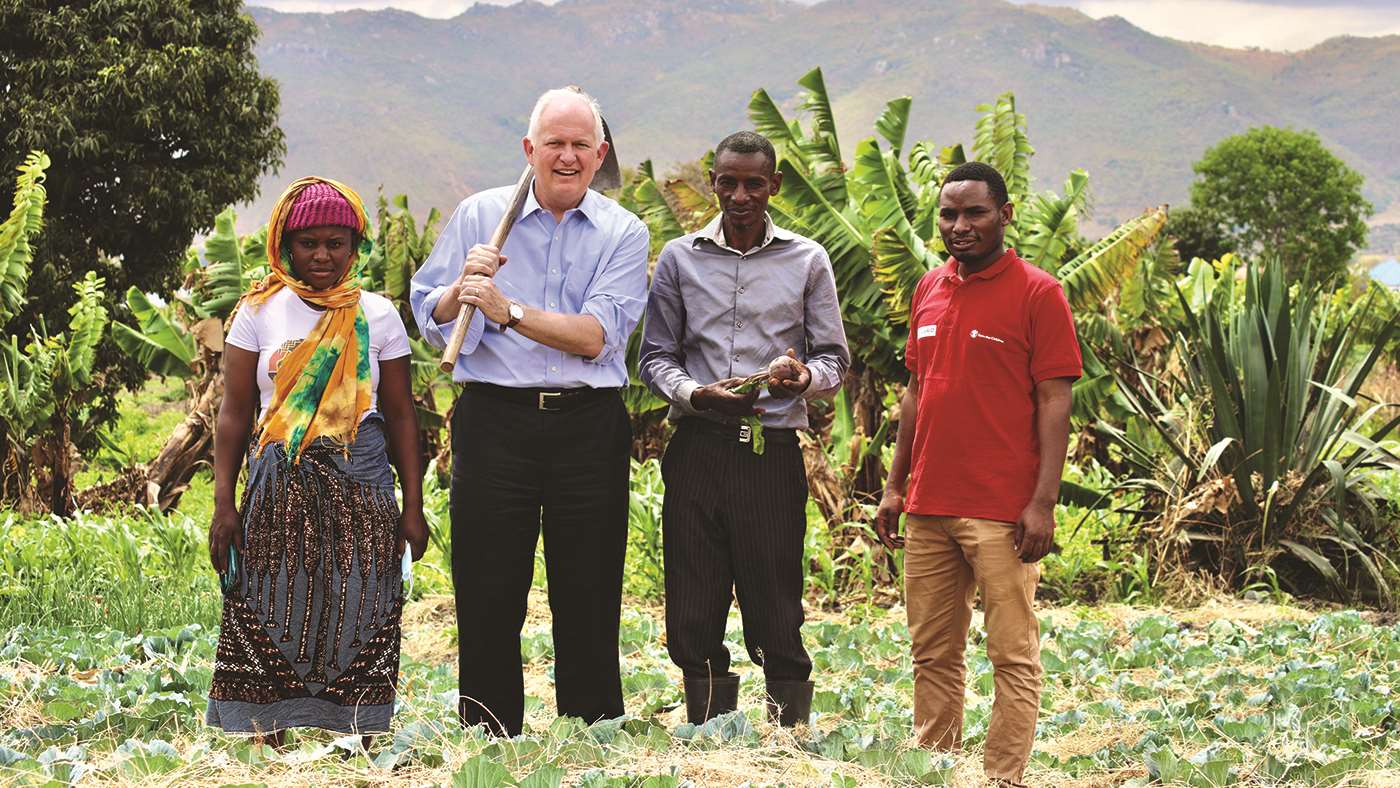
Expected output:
(978, 347)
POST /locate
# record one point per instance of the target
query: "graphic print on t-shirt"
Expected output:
(274, 360)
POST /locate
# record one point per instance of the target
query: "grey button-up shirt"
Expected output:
(716, 313)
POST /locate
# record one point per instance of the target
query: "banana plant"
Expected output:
(25, 221)
(161, 342)
(400, 246)
(44, 394)
(26, 375)
(168, 333)
(881, 231)
(670, 209)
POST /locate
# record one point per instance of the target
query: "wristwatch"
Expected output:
(517, 313)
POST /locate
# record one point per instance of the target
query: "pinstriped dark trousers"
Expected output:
(732, 525)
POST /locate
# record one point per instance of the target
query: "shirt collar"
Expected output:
(714, 233)
(587, 207)
(949, 270)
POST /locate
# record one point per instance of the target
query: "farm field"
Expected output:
(1228, 692)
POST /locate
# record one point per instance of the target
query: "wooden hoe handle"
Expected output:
(498, 240)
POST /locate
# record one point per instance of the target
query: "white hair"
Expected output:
(570, 92)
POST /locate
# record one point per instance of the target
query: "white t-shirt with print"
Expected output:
(272, 329)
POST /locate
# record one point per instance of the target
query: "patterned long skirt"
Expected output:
(310, 633)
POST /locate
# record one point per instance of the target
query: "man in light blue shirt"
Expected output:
(540, 437)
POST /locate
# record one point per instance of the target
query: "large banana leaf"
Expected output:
(225, 272)
(1092, 275)
(927, 168)
(768, 120)
(26, 386)
(86, 323)
(822, 147)
(899, 260)
(26, 219)
(1001, 141)
(656, 212)
(696, 210)
(403, 246)
(1049, 222)
(805, 209)
(899, 257)
(399, 242)
(893, 123)
(160, 344)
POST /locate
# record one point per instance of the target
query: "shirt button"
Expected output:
(739, 324)
(741, 291)
(553, 369)
(554, 270)
(551, 304)
(736, 358)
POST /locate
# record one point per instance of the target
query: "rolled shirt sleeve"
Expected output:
(662, 364)
(443, 266)
(617, 295)
(828, 356)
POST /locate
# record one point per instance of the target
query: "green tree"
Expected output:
(1281, 193)
(1197, 233)
(155, 118)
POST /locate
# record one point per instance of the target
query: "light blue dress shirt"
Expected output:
(593, 262)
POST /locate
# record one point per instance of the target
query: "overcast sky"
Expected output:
(1271, 24)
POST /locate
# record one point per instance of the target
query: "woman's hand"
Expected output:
(413, 530)
(225, 527)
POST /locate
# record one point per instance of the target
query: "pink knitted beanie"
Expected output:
(319, 205)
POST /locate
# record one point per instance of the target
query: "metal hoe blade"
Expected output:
(608, 176)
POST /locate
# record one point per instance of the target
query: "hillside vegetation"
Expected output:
(436, 108)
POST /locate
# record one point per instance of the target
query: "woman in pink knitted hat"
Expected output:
(310, 561)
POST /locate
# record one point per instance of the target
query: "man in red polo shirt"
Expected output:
(983, 430)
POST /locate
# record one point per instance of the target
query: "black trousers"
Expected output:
(732, 524)
(515, 469)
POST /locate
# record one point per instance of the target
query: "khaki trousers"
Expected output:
(946, 560)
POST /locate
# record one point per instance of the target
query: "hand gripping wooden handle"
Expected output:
(498, 240)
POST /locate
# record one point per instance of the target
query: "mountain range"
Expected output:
(435, 108)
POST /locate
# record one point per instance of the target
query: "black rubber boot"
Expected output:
(790, 702)
(709, 698)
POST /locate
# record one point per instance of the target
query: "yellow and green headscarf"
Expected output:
(323, 385)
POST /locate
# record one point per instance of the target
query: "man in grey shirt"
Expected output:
(739, 297)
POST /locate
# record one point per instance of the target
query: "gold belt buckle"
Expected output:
(545, 397)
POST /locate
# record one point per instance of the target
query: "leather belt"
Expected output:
(739, 433)
(548, 400)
